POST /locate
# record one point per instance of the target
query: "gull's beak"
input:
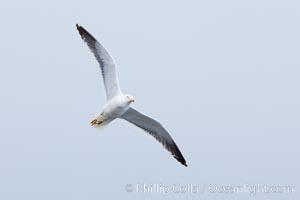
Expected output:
(131, 99)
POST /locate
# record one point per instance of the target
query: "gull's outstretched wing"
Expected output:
(106, 62)
(155, 129)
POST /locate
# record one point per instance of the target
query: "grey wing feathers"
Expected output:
(155, 129)
(106, 62)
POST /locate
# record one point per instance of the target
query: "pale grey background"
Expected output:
(222, 76)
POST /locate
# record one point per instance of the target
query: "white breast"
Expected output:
(115, 107)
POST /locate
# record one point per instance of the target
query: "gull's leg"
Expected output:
(97, 122)
(94, 122)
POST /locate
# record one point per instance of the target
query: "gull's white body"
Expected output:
(118, 104)
(113, 109)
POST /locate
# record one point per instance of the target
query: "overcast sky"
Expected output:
(222, 76)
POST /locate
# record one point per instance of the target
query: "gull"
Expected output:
(118, 105)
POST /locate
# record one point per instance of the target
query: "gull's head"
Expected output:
(129, 98)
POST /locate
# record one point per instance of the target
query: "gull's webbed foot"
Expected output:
(96, 122)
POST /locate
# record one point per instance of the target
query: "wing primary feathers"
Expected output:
(84, 32)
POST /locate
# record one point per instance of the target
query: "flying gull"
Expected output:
(119, 105)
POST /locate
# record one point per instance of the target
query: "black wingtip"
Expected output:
(177, 154)
(183, 162)
(84, 33)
